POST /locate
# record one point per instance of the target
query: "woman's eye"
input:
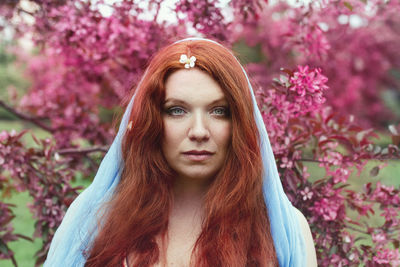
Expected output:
(221, 111)
(175, 111)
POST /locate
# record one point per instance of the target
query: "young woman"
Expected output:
(190, 179)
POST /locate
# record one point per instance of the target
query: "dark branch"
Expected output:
(25, 117)
(67, 151)
(372, 158)
(157, 11)
(356, 229)
(25, 11)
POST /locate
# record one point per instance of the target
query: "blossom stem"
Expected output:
(25, 117)
(89, 150)
(356, 230)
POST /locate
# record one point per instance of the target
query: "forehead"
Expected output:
(193, 86)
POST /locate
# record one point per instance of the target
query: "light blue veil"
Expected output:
(75, 232)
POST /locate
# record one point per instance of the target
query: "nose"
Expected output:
(199, 128)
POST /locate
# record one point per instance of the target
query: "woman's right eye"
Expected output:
(175, 111)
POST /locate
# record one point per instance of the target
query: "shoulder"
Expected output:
(308, 239)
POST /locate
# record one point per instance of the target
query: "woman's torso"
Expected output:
(184, 227)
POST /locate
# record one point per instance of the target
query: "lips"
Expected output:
(197, 152)
(196, 155)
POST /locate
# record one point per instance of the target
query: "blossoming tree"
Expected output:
(315, 68)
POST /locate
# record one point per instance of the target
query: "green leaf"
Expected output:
(3, 248)
(348, 5)
(374, 171)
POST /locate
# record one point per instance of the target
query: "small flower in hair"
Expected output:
(129, 127)
(189, 62)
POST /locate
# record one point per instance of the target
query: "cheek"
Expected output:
(172, 136)
(223, 134)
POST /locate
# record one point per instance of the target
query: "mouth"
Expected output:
(198, 152)
(196, 155)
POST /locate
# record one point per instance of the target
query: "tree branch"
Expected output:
(157, 11)
(25, 117)
(89, 150)
(320, 161)
(356, 230)
(26, 12)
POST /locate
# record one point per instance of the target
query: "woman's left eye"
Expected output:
(175, 111)
(221, 111)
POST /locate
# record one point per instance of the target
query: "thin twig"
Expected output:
(320, 161)
(312, 160)
(89, 150)
(355, 229)
(26, 12)
(25, 117)
(157, 11)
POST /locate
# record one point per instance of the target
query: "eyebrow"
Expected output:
(223, 99)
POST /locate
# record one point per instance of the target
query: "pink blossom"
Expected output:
(378, 237)
(327, 208)
(306, 193)
(286, 163)
(340, 175)
(332, 158)
(309, 86)
(305, 173)
(388, 256)
(3, 135)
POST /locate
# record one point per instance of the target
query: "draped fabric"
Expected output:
(76, 230)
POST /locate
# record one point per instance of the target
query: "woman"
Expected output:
(190, 179)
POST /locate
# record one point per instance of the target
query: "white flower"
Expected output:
(129, 127)
(189, 62)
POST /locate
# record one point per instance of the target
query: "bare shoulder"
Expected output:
(309, 242)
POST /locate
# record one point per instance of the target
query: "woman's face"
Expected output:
(197, 124)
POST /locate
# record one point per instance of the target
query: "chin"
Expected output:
(198, 175)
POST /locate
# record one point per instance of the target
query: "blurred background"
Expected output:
(67, 66)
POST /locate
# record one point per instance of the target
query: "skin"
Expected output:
(311, 256)
(196, 117)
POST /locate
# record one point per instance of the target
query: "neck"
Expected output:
(189, 191)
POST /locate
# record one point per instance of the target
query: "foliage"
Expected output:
(47, 179)
(316, 67)
(354, 43)
(297, 120)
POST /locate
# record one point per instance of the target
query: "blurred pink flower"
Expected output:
(388, 256)
(306, 193)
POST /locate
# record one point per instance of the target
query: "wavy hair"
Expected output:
(235, 229)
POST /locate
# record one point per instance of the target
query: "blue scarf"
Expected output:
(75, 233)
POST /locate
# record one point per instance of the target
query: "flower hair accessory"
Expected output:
(129, 127)
(189, 62)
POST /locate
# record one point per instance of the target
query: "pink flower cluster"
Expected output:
(310, 85)
(388, 256)
(352, 43)
(339, 146)
(327, 208)
(205, 17)
(6, 230)
(46, 179)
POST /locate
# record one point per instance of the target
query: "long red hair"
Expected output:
(235, 230)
